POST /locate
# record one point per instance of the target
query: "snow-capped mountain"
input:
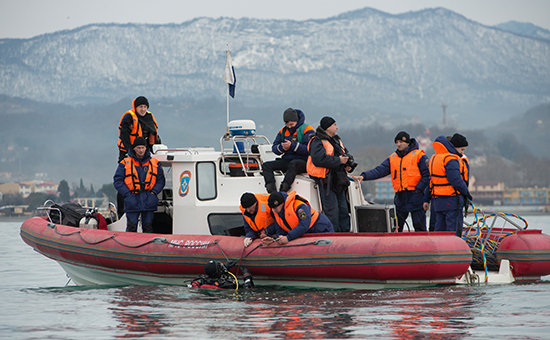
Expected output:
(409, 64)
(526, 29)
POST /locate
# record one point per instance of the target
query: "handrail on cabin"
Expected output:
(191, 152)
(236, 150)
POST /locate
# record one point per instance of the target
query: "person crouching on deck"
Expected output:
(258, 220)
(295, 217)
(139, 179)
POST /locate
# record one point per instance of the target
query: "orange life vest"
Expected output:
(131, 178)
(440, 186)
(298, 135)
(263, 216)
(292, 220)
(316, 171)
(405, 173)
(136, 130)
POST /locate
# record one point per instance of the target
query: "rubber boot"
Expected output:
(147, 228)
(131, 227)
(284, 187)
(270, 187)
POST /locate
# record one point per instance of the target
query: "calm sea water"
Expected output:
(36, 304)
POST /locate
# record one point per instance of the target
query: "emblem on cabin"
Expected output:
(185, 178)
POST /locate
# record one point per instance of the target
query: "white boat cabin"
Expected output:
(204, 187)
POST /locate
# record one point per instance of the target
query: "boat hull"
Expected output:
(336, 260)
(528, 252)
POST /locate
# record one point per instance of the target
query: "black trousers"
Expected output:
(289, 167)
(119, 197)
(119, 205)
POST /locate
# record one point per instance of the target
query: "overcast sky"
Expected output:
(29, 18)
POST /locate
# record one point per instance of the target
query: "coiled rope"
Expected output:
(478, 236)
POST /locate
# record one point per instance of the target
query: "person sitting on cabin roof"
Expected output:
(258, 220)
(295, 217)
(291, 142)
(139, 179)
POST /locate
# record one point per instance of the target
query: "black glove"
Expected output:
(231, 263)
(467, 203)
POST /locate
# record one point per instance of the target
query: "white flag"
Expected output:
(229, 76)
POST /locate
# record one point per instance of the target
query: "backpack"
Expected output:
(71, 214)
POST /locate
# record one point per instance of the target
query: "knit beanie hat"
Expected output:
(141, 101)
(139, 141)
(459, 140)
(247, 200)
(275, 200)
(403, 136)
(327, 122)
(290, 115)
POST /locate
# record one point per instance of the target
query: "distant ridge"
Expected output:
(525, 29)
(372, 62)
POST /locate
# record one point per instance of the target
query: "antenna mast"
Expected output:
(444, 106)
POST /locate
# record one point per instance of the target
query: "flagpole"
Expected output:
(231, 80)
(227, 94)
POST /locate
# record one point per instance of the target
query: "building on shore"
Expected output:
(384, 190)
(10, 188)
(526, 196)
(487, 192)
(29, 187)
(92, 202)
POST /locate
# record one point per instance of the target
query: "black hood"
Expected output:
(335, 141)
(145, 158)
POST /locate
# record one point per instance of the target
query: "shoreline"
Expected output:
(21, 218)
(517, 210)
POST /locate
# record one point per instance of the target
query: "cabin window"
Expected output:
(229, 224)
(167, 168)
(206, 181)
